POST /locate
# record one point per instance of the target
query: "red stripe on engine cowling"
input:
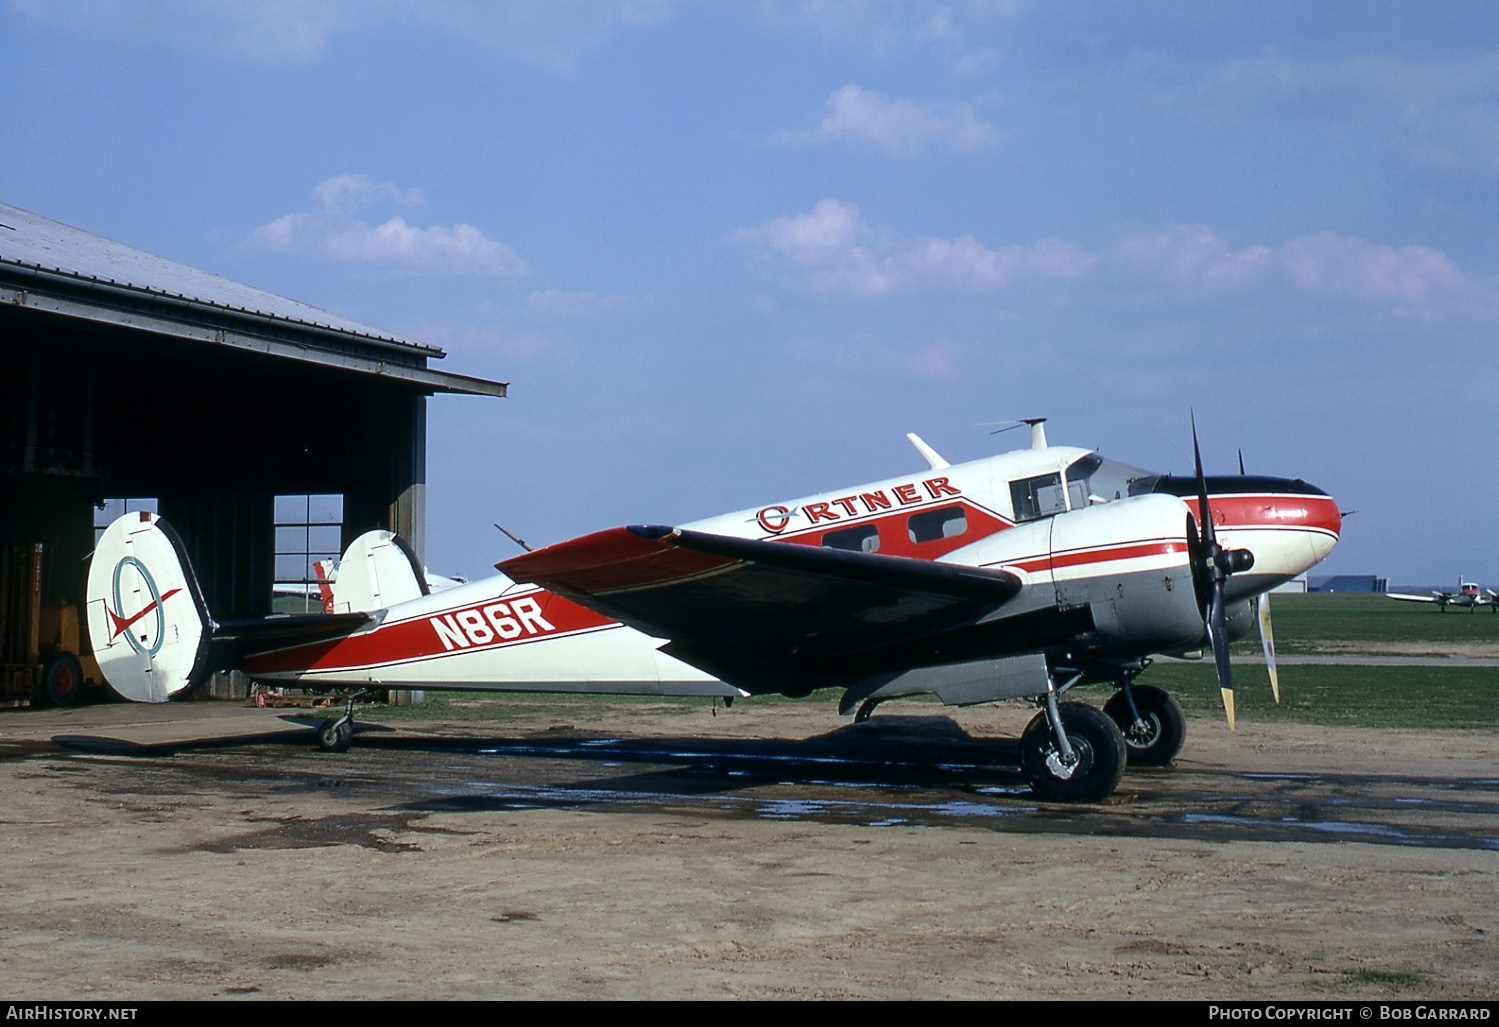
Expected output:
(1078, 558)
(1272, 510)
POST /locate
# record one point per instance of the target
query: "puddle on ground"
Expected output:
(820, 787)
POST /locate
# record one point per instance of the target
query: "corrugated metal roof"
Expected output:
(30, 240)
(49, 266)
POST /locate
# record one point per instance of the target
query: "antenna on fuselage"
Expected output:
(1038, 431)
(932, 456)
(516, 538)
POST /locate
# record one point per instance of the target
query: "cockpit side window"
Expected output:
(1079, 476)
(1037, 497)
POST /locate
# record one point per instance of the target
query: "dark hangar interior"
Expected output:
(128, 377)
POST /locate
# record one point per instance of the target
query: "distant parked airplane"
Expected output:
(1468, 594)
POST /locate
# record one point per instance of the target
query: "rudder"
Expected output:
(147, 621)
(379, 570)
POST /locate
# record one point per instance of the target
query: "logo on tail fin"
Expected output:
(150, 641)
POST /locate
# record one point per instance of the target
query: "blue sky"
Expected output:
(729, 253)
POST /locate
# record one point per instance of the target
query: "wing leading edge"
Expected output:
(766, 616)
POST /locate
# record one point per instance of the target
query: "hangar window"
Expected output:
(862, 539)
(111, 510)
(308, 529)
(948, 522)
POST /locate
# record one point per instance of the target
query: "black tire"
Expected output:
(62, 681)
(1158, 743)
(335, 735)
(1095, 741)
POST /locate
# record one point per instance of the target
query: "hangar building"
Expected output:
(253, 423)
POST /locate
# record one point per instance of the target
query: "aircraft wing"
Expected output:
(1406, 597)
(764, 613)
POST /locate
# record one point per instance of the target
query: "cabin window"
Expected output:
(308, 529)
(865, 538)
(932, 525)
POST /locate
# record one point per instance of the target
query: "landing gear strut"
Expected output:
(336, 733)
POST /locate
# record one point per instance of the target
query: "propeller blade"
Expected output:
(1210, 554)
(1218, 639)
(1267, 640)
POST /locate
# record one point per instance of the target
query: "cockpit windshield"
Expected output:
(1089, 479)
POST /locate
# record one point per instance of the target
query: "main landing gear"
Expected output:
(1071, 752)
(1152, 722)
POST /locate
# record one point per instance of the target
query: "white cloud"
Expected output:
(899, 127)
(341, 194)
(1324, 265)
(1328, 264)
(831, 248)
(842, 253)
(333, 232)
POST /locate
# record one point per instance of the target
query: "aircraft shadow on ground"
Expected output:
(889, 752)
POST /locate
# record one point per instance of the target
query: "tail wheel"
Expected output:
(1097, 749)
(62, 681)
(335, 734)
(1157, 737)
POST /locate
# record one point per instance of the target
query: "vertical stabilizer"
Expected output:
(377, 571)
(147, 620)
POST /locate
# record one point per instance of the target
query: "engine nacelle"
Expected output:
(1129, 562)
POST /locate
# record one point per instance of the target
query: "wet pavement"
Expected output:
(894, 771)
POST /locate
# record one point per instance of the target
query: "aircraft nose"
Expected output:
(1288, 524)
(1310, 511)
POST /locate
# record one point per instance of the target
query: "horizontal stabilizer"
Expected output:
(234, 640)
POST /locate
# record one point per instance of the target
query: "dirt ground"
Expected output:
(192, 851)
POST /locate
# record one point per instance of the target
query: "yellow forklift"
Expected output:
(42, 654)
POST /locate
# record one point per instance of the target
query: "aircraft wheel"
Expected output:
(335, 735)
(62, 681)
(1165, 728)
(1097, 747)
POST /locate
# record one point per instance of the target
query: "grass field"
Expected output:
(1394, 697)
(1319, 623)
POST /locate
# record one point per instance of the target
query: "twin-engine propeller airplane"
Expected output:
(1468, 595)
(1015, 576)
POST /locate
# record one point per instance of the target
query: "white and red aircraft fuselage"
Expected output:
(1018, 575)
